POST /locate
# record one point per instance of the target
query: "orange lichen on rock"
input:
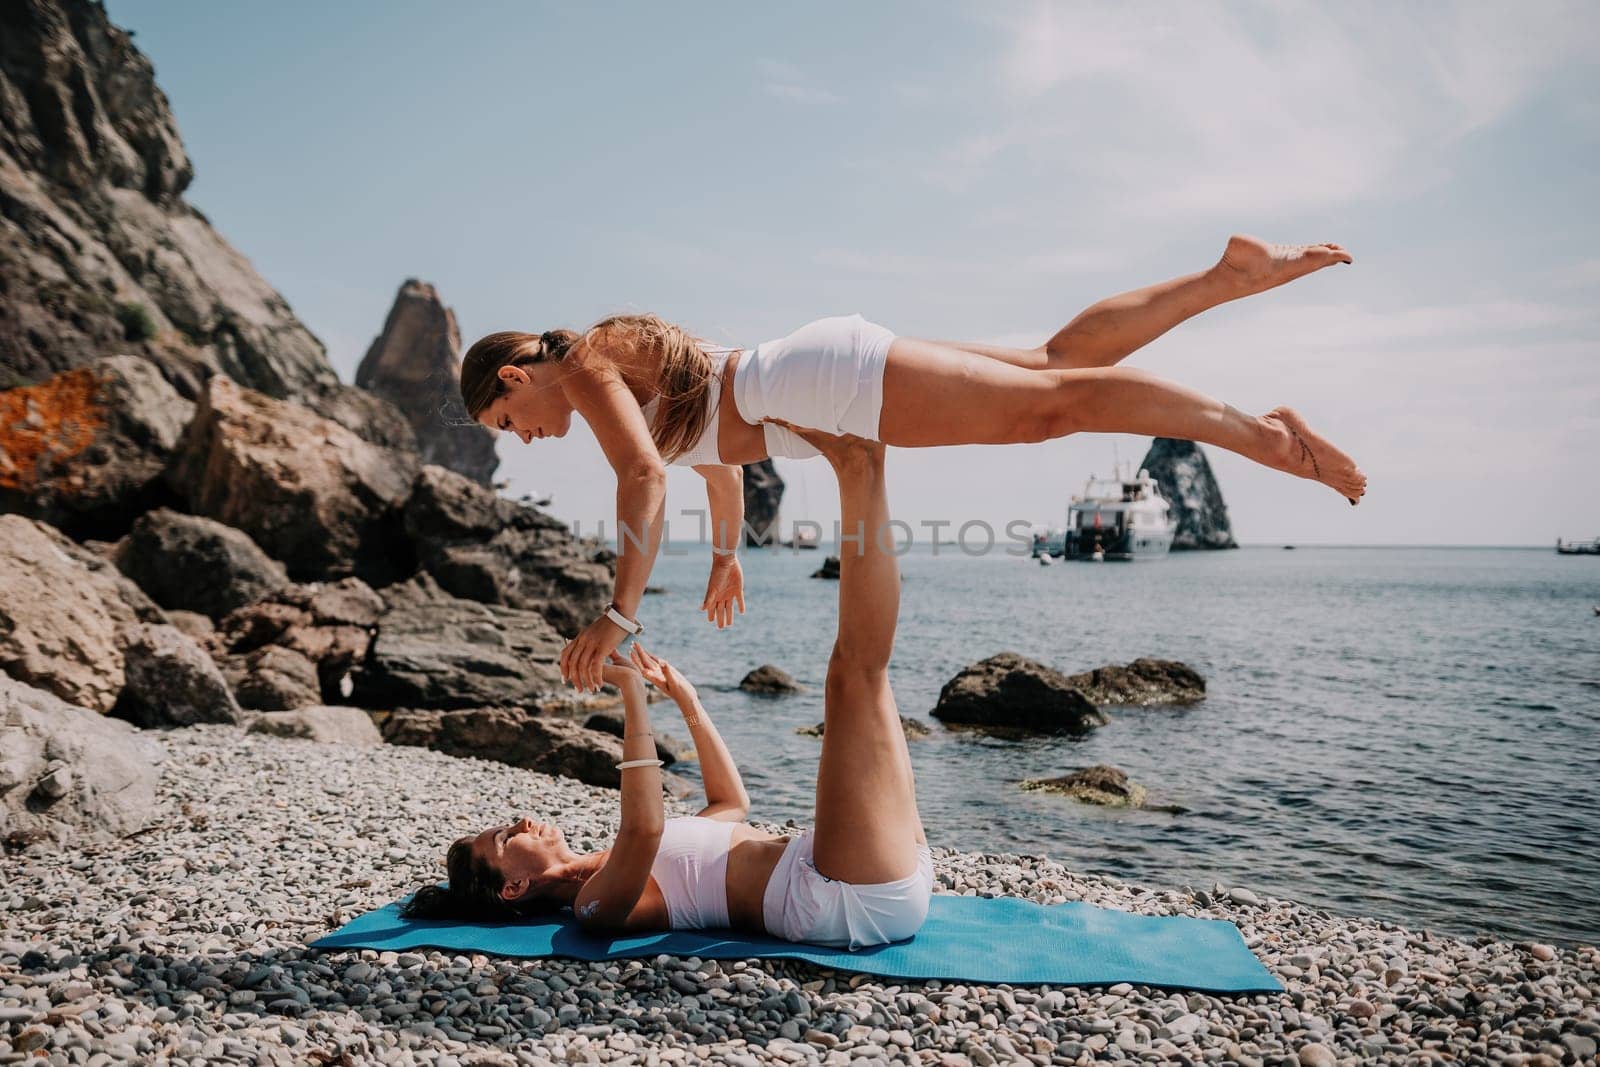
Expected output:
(46, 425)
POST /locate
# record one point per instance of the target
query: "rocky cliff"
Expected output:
(1185, 478)
(415, 364)
(196, 516)
(99, 252)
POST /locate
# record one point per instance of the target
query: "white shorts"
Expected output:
(827, 375)
(803, 904)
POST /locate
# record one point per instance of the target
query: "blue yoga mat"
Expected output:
(971, 939)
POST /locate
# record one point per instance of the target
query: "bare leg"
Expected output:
(867, 826)
(1107, 332)
(935, 395)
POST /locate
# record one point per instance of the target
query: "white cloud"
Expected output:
(1178, 109)
(788, 82)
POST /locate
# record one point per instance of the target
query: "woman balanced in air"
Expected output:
(861, 876)
(654, 395)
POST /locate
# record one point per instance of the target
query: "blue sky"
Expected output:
(974, 171)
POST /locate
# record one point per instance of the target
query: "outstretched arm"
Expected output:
(598, 393)
(725, 495)
(725, 795)
(607, 899)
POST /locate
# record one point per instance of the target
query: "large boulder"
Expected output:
(84, 451)
(191, 563)
(64, 615)
(415, 364)
(763, 494)
(1008, 692)
(1101, 784)
(480, 546)
(434, 650)
(312, 494)
(69, 773)
(299, 645)
(171, 681)
(512, 735)
(770, 680)
(1144, 681)
(328, 725)
(1184, 475)
(98, 250)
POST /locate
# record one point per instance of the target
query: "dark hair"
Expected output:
(473, 894)
(683, 381)
(480, 367)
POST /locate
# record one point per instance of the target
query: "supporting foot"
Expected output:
(1251, 265)
(842, 450)
(1295, 448)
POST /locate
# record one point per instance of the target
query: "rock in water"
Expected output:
(763, 493)
(829, 569)
(84, 451)
(100, 251)
(189, 563)
(769, 679)
(68, 771)
(913, 729)
(1100, 784)
(311, 493)
(1181, 470)
(415, 364)
(1009, 692)
(1144, 681)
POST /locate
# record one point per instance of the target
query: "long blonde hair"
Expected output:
(683, 382)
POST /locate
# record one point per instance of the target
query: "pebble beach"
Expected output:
(186, 943)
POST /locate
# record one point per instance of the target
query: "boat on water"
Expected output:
(1123, 517)
(1578, 548)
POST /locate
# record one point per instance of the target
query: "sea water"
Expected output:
(1411, 734)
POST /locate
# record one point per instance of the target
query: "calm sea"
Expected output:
(1410, 734)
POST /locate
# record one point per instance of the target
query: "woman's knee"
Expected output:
(855, 672)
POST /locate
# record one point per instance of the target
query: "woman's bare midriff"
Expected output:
(752, 857)
(737, 441)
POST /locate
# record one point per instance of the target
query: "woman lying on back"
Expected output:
(862, 876)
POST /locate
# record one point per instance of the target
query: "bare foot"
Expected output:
(839, 449)
(1294, 447)
(1253, 266)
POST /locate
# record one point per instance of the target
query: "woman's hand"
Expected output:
(661, 674)
(584, 659)
(620, 673)
(724, 589)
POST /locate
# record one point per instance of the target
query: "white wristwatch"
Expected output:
(629, 626)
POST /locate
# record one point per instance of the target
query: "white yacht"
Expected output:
(1117, 518)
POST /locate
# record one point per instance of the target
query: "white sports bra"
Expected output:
(703, 451)
(691, 868)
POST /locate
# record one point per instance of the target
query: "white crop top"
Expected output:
(703, 451)
(691, 868)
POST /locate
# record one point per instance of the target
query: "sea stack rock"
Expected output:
(763, 492)
(415, 364)
(1185, 478)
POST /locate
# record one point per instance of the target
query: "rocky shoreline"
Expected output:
(187, 942)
